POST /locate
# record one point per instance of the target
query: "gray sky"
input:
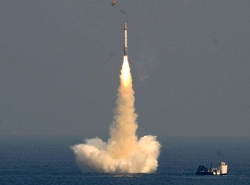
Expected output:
(61, 60)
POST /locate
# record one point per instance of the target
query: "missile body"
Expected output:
(125, 41)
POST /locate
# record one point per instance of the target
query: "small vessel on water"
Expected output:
(203, 170)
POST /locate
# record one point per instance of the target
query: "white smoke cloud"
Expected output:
(95, 157)
(123, 153)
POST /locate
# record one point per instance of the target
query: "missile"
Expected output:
(125, 40)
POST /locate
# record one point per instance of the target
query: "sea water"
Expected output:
(49, 160)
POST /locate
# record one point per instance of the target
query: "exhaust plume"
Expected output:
(123, 153)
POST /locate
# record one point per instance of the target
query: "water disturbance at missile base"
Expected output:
(123, 152)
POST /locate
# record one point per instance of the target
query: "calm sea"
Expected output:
(51, 161)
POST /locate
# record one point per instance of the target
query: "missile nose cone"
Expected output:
(125, 26)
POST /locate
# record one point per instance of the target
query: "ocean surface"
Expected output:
(50, 161)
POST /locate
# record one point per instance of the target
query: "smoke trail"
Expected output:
(123, 153)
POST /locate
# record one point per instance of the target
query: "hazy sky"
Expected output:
(61, 60)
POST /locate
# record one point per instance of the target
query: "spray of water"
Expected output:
(123, 153)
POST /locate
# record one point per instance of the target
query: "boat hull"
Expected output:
(224, 174)
(204, 173)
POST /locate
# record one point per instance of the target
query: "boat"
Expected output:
(203, 170)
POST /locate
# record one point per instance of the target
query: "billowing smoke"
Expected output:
(123, 153)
